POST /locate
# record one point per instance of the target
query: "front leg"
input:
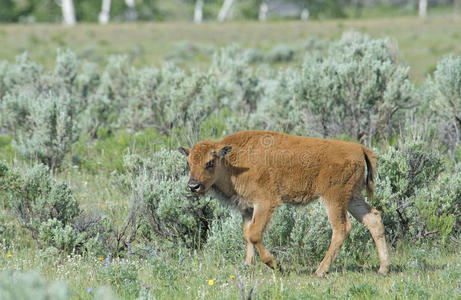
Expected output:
(262, 214)
(250, 249)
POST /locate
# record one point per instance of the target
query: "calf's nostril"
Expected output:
(194, 187)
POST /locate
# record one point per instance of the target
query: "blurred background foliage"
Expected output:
(49, 11)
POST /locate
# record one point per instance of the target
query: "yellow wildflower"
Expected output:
(387, 285)
(210, 282)
(10, 255)
(109, 279)
(100, 258)
(232, 276)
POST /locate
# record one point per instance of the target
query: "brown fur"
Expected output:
(262, 169)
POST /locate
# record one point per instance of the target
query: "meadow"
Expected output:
(421, 43)
(93, 192)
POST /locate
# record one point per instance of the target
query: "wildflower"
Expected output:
(207, 293)
(100, 258)
(10, 255)
(130, 249)
(109, 279)
(89, 289)
(210, 282)
(387, 285)
(232, 276)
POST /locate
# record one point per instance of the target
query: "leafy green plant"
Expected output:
(123, 276)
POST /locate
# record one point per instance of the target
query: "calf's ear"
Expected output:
(224, 151)
(184, 150)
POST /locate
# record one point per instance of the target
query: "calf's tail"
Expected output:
(370, 160)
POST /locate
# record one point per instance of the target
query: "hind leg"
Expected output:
(371, 218)
(341, 225)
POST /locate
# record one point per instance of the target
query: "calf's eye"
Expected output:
(209, 164)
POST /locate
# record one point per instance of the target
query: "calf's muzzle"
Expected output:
(195, 186)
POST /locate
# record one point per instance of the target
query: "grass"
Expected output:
(421, 42)
(436, 276)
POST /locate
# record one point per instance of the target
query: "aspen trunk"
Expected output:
(104, 15)
(198, 11)
(422, 8)
(68, 12)
(263, 11)
(225, 9)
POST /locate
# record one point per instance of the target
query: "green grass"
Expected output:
(434, 274)
(421, 43)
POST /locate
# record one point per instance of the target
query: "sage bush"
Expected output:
(48, 209)
(441, 95)
(358, 89)
(30, 285)
(158, 189)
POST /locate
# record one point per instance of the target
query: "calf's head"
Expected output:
(204, 159)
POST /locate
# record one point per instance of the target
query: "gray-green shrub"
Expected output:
(357, 89)
(49, 130)
(157, 186)
(16, 285)
(405, 175)
(241, 90)
(47, 208)
(281, 53)
(442, 96)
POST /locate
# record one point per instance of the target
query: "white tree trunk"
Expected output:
(262, 11)
(68, 12)
(198, 11)
(305, 14)
(422, 8)
(132, 13)
(104, 15)
(225, 9)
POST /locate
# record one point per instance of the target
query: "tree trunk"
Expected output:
(68, 12)
(263, 11)
(225, 9)
(104, 15)
(198, 11)
(422, 8)
(304, 14)
(131, 14)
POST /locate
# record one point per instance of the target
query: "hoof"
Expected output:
(383, 271)
(320, 274)
(246, 265)
(278, 268)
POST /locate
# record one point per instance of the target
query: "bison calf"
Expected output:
(258, 170)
